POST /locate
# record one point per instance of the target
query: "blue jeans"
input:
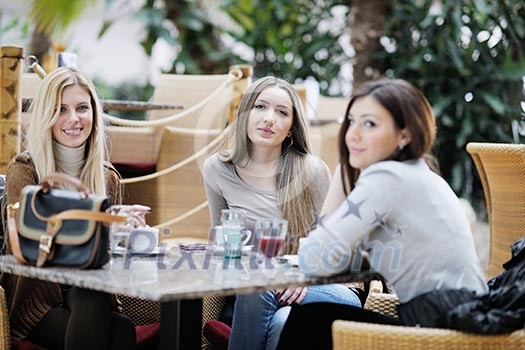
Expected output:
(258, 319)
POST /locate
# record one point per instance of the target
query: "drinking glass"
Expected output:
(233, 233)
(119, 233)
(270, 235)
(233, 218)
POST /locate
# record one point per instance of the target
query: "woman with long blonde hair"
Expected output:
(41, 143)
(292, 156)
(65, 134)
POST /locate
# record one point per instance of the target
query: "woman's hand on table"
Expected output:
(288, 296)
(139, 215)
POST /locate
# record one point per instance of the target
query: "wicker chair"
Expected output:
(147, 145)
(211, 309)
(133, 145)
(189, 90)
(324, 130)
(183, 189)
(359, 335)
(501, 168)
(323, 138)
(379, 301)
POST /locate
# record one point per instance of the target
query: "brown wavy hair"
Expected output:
(409, 108)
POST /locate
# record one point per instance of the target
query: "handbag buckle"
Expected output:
(14, 206)
(46, 241)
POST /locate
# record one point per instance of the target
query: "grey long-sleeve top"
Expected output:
(409, 222)
(225, 189)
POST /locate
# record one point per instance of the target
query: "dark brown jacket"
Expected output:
(29, 299)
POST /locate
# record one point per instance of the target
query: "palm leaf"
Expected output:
(56, 15)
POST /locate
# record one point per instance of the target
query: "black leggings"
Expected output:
(309, 326)
(87, 320)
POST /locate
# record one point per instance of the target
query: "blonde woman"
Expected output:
(270, 173)
(65, 134)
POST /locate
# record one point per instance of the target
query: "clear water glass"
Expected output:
(232, 230)
(119, 233)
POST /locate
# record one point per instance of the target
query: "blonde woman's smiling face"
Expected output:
(75, 121)
(372, 135)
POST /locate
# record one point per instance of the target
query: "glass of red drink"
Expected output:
(270, 235)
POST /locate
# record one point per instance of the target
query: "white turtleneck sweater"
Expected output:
(69, 160)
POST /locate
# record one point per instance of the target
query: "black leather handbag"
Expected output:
(56, 227)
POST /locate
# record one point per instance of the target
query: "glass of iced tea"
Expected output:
(270, 235)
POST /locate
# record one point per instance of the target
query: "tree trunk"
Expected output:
(40, 44)
(192, 40)
(367, 23)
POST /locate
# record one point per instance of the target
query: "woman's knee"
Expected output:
(280, 317)
(276, 326)
(251, 301)
(89, 299)
(332, 293)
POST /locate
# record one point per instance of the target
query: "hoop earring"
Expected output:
(291, 141)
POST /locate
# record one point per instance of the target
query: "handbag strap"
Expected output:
(64, 178)
(45, 187)
(13, 233)
(81, 214)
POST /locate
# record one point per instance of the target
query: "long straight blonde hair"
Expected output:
(295, 167)
(45, 111)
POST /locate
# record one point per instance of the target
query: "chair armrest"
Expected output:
(378, 301)
(383, 303)
(358, 335)
(376, 286)
(5, 337)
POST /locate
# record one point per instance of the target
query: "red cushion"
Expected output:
(217, 334)
(24, 345)
(128, 170)
(147, 336)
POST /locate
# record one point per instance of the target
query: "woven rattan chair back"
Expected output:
(188, 90)
(183, 189)
(140, 311)
(29, 85)
(501, 168)
(211, 309)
